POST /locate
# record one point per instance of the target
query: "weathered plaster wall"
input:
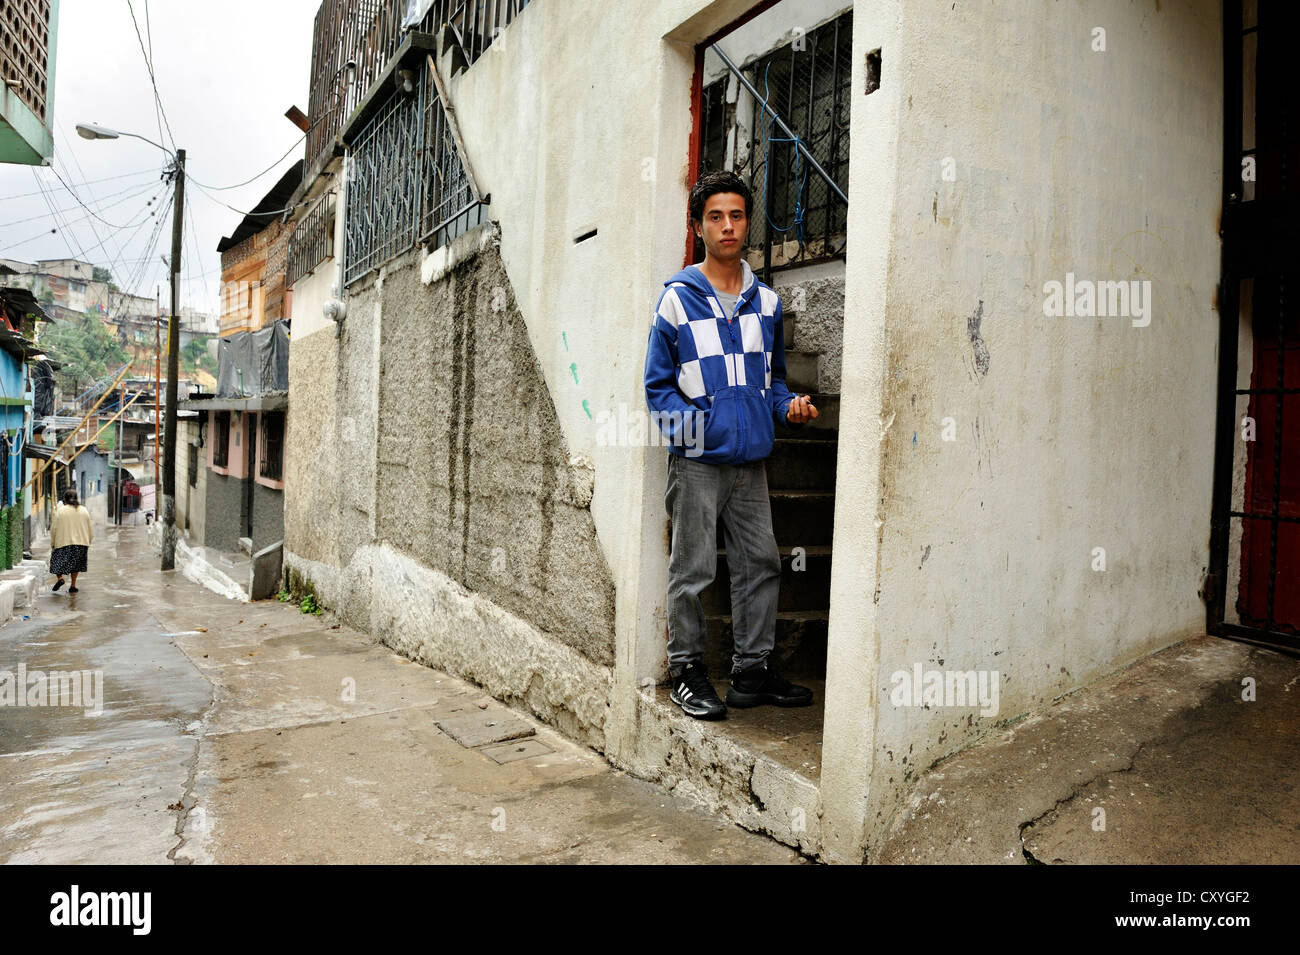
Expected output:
(224, 512)
(564, 145)
(448, 451)
(1070, 433)
(474, 479)
(191, 514)
(268, 516)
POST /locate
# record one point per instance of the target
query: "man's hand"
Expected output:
(801, 409)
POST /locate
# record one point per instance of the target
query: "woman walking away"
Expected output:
(70, 537)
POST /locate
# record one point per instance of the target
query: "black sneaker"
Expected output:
(693, 692)
(758, 684)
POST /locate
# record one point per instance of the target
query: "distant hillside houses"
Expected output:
(68, 288)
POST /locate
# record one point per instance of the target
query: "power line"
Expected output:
(268, 212)
(93, 213)
(86, 182)
(32, 239)
(255, 178)
(136, 192)
(66, 232)
(153, 81)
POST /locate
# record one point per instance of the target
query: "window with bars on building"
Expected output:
(807, 82)
(221, 439)
(194, 466)
(272, 445)
(407, 183)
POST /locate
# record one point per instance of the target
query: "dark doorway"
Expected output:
(1255, 550)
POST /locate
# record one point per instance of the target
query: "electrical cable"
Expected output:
(136, 192)
(125, 175)
(255, 178)
(160, 112)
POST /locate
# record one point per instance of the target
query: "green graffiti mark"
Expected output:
(585, 408)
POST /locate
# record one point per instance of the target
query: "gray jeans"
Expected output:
(697, 494)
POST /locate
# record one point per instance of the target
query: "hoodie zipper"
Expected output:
(735, 369)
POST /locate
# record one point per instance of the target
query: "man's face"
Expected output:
(724, 226)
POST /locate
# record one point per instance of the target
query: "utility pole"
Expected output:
(173, 372)
(117, 518)
(157, 387)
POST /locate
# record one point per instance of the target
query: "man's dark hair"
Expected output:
(714, 182)
(70, 497)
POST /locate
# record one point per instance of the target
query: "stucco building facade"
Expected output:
(1025, 496)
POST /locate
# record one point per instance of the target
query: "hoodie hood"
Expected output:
(694, 277)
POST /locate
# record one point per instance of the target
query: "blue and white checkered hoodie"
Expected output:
(729, 368)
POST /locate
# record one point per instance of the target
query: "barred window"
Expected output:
(194, 465)
(406, 182)
(272, 444)
(221, 438)
(807, 82)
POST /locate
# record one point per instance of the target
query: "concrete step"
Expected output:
(805, 589)
(806, 518)
(806, 464)
(801, 371)
(800, 648)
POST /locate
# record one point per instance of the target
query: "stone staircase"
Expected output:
(801, 484)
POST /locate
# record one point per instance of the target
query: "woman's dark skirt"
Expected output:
(68, 560)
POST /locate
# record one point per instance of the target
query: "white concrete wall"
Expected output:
(311, 292)
(572, 129)
(1070, 433)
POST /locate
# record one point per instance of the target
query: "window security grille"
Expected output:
(353, 41)
(312, 241)
(272, 445)
(406, 182)
(808, 83)
(222, 446)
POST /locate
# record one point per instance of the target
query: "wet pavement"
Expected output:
(233, 732)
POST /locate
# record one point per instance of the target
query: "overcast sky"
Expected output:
(226, 73)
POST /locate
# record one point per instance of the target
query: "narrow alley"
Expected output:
(226, 736)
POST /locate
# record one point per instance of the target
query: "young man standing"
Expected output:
(715, 382)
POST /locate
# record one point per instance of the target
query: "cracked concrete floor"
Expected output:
(252, 733)
(1163, 762)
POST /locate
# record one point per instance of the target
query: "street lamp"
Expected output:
(95, 131)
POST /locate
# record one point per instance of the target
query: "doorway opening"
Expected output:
(1253, 591)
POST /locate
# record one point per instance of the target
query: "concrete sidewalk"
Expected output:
(254, 733)
(1163, 762)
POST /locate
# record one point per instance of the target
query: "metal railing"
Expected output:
(796, 150)
(407, 182)
(312, 241)
(384, 185)
(450, 205)
(353, 40)
(25, 51)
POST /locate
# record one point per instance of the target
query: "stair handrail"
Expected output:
(798, 141)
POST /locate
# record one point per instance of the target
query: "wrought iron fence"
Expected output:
(353, 40)
(25, 50)
(406, 182)
(312, 241)
(807, 82)
(384, 185)
(450, 206)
